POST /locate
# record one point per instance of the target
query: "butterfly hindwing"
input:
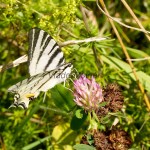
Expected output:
(42, 81)
(44, 52)
(32, 86)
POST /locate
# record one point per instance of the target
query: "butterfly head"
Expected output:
(66, 67)
(22, 101)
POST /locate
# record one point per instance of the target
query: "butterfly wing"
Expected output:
(47, 68)
(51, 78)
(44, 52)
(31, 87)
(42, 81)
(23, 92)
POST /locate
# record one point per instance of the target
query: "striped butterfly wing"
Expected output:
(30, 88)
(44, 52)
(47, 68)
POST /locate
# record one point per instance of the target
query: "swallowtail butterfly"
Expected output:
(47, 68)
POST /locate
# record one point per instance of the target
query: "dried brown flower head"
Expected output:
(120, 139)
(114, 139)
(112, 94)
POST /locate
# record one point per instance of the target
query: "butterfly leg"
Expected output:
(65, 83)
(44, 97)
(66, 87)
(75, 72)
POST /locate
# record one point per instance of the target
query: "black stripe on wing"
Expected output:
(63, 69)
(45, 77)
(44, 37)
(45, 41)
(44, 52)
(33, 38)
(22, 105)
(54, 55)
(48, 76)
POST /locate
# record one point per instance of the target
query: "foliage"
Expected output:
(58, 123)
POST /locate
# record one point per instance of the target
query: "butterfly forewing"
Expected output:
(44, 52)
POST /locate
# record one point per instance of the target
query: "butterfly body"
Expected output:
(47, 68)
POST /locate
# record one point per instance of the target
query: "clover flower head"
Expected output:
(88, 93)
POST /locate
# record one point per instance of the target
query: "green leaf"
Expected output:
(62, 97)
(79, 113)
(134, 149)
(34, 144)
(90, 139)
(102, 104)
(83, 147)
(76, 123)
(121, 65)
(135, 53)
(19, 129)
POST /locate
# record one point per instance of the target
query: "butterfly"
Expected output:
(47, 68)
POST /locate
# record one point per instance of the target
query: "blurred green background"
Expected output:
(47, 125)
